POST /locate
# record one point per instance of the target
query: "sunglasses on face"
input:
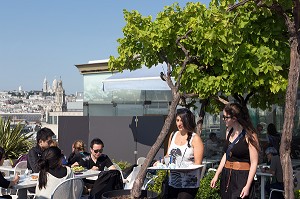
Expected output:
(98, 150)
(226, 117)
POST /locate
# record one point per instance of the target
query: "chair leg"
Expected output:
(276, 190)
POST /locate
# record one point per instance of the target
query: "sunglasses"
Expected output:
(98, 150)
(226, 117)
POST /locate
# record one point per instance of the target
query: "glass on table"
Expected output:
(167, 160)
(179, 162)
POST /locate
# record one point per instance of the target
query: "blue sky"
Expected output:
(41, 39)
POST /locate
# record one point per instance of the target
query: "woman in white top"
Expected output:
(51, 172)
(188, 145)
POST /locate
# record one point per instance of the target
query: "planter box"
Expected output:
(126, 194)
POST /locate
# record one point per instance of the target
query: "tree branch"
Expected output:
(187, 56)
(234, 6)
(220, 99)
(166, 77)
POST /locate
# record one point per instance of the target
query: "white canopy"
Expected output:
(140, 79)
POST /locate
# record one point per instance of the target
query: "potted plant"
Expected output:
(13, 141)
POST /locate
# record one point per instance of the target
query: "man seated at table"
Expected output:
(97, 160)
(43, 137)
(276, 170)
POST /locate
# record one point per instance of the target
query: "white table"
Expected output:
(263, 176)
(211, 161)
(25, 183)
(8, 170)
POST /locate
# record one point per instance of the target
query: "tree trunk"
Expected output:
(288, 125)
(138, 183)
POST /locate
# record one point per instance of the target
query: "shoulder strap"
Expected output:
(242, 134)
(172, 135)
(229, 133)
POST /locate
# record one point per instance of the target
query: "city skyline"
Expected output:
(48, 38)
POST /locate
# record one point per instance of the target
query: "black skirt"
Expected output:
(237, 182)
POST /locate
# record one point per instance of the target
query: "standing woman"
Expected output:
(189, 146)
(239, 162)
(52, 172)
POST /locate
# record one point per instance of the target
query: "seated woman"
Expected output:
(3, 182)
(78, 155)
(52, 172)
(54, 143)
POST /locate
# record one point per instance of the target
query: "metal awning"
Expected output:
(140, 79)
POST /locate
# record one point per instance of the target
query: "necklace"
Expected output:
(182, 139)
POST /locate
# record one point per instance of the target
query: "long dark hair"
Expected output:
(243, 117)
(188, 121)
(51, 158)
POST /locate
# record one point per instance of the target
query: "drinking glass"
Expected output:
(167, 160)
(179, 162)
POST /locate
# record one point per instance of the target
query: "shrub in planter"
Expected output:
(158, 182)
(205, 191)
(12, 140)
(297, 194)
(122, 164)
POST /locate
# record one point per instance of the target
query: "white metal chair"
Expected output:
(20, 167)
(70, 188)
(203, 170)
(131, 178)
(140, 161)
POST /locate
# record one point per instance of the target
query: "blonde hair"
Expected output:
(53, 143)
(79, 145)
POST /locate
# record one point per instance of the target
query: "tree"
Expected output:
(212, 53)
(289, 12)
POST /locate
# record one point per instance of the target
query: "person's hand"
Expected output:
(213, 182)
(95, 168)
(245, 192)
(155, 163)
(75, 164)
(16, 180)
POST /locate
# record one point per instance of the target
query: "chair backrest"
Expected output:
(203, 170)
(22, 157)
(21, 167)
(140, 161)
(107, 181)
(70, 188)
(119, 169)
(133, 176)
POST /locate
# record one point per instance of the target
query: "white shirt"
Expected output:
(52, 182)
(183, 179)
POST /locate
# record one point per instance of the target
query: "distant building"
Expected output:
(60, 104)
(45, 86)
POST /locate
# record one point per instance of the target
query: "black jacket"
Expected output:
(34, 155)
